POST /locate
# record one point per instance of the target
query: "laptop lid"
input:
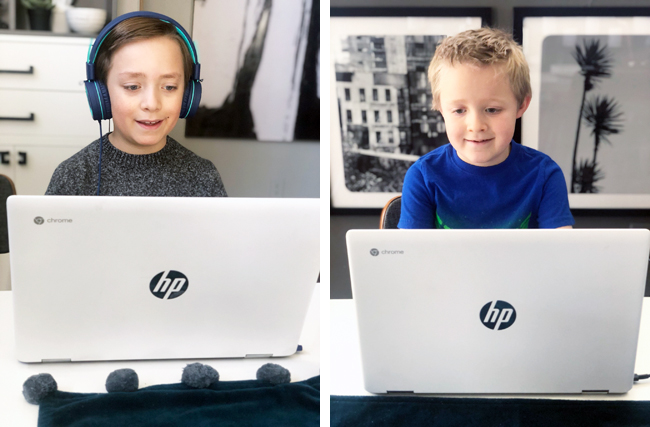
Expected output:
(498, 311)
(116, 278)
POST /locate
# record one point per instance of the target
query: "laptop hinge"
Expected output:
(55, 360)
(595, 391)
(255, 356)
(399, 391)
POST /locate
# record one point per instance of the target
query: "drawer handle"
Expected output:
(22, 158)
(3, 157)
(30, 71)
(24, 119)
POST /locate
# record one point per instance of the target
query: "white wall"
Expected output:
(260, 169)
(249, 168)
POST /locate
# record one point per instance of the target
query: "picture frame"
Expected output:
(260, 71)
(380, 100)
(587, 109)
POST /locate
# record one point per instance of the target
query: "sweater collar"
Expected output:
(110, 152)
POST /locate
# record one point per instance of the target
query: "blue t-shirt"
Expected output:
(527, 190)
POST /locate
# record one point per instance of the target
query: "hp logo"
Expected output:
(168, 284)
(374, 252)
(498, 315)
(39, 220)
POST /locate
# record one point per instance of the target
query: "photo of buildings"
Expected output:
(384, 106)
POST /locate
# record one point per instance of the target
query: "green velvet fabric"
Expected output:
(417, 411)
(224, 404)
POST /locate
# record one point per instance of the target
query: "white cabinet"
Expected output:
(44, 114)
(43, 62)
(32, 160)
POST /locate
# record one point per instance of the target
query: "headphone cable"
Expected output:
(99, 166)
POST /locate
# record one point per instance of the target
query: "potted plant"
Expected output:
(39, 12)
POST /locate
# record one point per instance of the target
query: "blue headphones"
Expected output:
(97, 93)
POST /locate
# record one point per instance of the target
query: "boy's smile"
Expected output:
(145, 83)
(480, 109)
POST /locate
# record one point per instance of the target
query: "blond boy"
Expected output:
(483, 179)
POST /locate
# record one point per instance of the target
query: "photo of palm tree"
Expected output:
(604, 118)
(594, 65)
(602, 80)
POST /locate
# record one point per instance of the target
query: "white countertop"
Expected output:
(90, 377)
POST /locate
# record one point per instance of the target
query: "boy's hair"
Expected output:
(134, 29)
(482, 47)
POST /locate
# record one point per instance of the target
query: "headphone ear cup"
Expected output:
(98, 100)
(191, 99)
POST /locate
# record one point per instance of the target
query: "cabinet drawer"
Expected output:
(45, 113)
(43, 63)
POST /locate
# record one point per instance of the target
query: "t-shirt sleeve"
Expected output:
(418, 205)
(554, 209)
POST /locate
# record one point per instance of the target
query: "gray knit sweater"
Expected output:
(172, 171)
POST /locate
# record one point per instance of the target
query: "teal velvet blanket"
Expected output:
(225, 403)
(416, 411)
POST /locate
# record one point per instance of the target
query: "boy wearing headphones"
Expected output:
(145, 75)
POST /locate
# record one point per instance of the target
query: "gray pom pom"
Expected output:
(274, 374)
(122, 380)
(38, 387)
(198, 375)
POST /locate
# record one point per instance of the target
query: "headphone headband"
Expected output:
(92, 53)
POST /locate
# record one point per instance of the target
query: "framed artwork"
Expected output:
(259, 62)
(589, 72)
(381, 119)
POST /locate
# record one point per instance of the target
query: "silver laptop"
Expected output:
(498, 311)
(117, 278)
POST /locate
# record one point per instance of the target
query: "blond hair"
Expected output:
(482, 47)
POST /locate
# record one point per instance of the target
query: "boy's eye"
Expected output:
(458, 111)
(492, 110)
(170, 88)
(131, 87)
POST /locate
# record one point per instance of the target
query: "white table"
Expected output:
(90, 377)
(345, 358)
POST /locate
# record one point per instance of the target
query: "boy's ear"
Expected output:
(524, 106)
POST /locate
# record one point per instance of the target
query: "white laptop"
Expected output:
(126, 278)
(498, 311)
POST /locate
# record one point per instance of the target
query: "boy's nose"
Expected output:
(150, 100)
(476, 123)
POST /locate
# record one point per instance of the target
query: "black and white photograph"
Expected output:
(589, 79)
(598, 134)
(381, 114)
(384, 104)
(259, 61)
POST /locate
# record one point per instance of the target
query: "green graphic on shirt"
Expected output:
(441, 225)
